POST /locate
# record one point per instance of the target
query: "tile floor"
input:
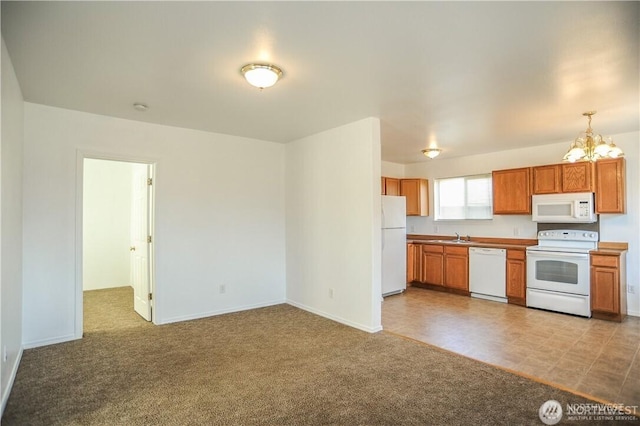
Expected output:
(594, 357)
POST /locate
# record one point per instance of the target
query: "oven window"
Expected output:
(557, 271)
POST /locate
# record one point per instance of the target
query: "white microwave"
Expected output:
(563, 208)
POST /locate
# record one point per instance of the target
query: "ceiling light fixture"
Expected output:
(590, 147)
(261, 75)
(431, 152)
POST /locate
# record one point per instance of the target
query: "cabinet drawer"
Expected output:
(432, 248)
(516, 254)
(606, 261)
(462, 251)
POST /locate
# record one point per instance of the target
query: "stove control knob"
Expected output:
(586, 235)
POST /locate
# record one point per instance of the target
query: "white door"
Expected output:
(140, 241)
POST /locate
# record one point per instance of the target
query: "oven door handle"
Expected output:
(557, 255)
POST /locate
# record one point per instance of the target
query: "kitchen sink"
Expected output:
(450, 241)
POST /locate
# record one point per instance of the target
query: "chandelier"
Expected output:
(591, 147)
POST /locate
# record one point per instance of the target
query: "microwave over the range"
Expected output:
(575, 207)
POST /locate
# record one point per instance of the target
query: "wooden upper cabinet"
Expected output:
(417, 193)
(512, 191)
(578, 177)
(547, 179)
(391, 186)
(610, 190)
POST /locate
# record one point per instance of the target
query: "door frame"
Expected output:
(81, 155)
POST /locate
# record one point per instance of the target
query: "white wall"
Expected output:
(390, 169)
(615, 228)
(107, 196)
(10, 226)
(333, 224)
(219, 217)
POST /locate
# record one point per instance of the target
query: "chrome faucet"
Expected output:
(457, 236)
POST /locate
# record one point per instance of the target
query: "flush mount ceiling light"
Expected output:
(140, 106)
(591, 147)
(261, 75)
(431, 152)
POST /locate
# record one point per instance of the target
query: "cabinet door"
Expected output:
(432, 266)
(546, 179)
(610, 190)
(456, 267)
(456, 271)
(577, 177)
(414, 253)
(391, 186)
(605, 290)
(416, 192)
(516, 273)
(512, 191)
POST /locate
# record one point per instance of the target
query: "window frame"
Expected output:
(436, 197)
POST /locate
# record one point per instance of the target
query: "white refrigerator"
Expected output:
(394, 245)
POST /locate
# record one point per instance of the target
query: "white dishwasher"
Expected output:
(487, 273)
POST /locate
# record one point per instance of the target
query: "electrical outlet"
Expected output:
(330, 293)
(435, 229)
(631, 289)
(223, 289)
(516, 232)
(413, 228)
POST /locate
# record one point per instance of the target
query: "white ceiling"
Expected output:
(472, 77)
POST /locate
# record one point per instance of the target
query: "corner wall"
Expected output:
(333, 224)
(11, 153)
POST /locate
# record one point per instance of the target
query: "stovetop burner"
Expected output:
(566, 240)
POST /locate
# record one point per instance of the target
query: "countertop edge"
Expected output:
(604, 247)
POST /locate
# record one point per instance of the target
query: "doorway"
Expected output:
(117, 255)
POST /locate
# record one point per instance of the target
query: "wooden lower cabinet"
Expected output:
(414, 254)
(516, 277)
(432, 267)
(456, 268)
(608, 287)
(445, 267)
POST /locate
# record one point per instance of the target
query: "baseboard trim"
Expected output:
(52, 341)
(6, 392)
(334, 318)
(219, 312)
(634, 313)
